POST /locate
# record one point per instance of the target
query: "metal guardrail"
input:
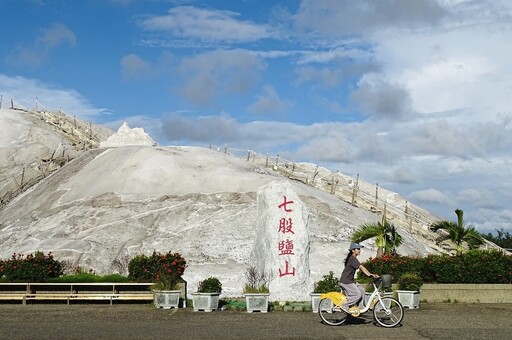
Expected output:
(68, 292)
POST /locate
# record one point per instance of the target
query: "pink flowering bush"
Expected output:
(473, 266)
(36, 267)
(165, 270)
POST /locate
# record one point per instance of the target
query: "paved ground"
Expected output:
(143, 321)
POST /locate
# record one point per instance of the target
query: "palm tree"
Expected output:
(458, 233)
(387, 238)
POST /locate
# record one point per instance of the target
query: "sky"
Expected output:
(413, 95)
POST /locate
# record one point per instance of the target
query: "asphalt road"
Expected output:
(144, 321)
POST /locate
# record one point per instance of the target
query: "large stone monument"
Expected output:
(281, 246)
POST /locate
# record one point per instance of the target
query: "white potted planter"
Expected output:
(408, 291)
(315, 300)
(205, 302)
(256, 302)
(166, 299)
(206, 299)
(256, 290)
(409, 298)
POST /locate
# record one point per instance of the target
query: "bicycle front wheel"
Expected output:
(389, 312)
(331, 314)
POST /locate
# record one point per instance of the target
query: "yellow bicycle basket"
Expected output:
(336, 297)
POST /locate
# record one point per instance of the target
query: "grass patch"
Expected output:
(89, 278)
(232, 304)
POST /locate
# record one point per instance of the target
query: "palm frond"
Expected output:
(365, 232)
(387, 237)
(458, 233)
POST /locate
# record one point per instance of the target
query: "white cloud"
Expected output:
(327, 144)
(430, 195)
(204, 129)
(448, 67)
(330, 77)
(346, 17)
(483, 197)
(35, 53)
(56, 35)
(204, 76)
(382, 99)
(134, 67)
(24, 92)
(190, 22)
(334, 54)
(269, 102)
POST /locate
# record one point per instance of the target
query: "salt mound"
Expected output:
(126, 136)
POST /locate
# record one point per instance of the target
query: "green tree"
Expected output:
(459, 233)
(387, 239)
(502, 239)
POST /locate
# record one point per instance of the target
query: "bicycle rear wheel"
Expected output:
(330, 314)
(389, 312)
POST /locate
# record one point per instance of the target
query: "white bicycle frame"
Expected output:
(375, 294)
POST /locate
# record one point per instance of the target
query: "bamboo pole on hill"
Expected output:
(408, 217)
(354, 191)
(376, 195)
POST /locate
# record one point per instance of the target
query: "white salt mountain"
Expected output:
(98, 208)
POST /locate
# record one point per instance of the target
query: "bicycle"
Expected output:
(387, 311)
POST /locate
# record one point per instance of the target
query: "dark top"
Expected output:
(347, 275)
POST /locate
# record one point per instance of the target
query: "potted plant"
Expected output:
(408, 291)
(327, 284)
(207, 297)
(256, 291)
(165, 270)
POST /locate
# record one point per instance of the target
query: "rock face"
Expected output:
(281, 245)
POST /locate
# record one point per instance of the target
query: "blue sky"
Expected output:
(414, 95)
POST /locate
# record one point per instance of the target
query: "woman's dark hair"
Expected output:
(348, 256)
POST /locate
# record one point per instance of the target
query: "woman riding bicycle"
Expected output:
(354, 291)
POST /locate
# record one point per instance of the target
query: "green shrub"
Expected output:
(210, 285)
(36, 267)
(473, 266)
(165, 270)
(327, 284)
(89, 277)
(410, 281)
(117, 278)
(76, 278)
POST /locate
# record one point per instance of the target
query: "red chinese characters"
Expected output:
(286, 225)
(285, 204)
(285, 246)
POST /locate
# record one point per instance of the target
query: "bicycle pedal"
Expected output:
(354, 311)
